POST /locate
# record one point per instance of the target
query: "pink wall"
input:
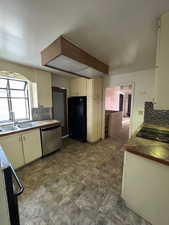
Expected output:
(112, 98)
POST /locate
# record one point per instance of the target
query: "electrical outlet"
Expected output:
(140, 112)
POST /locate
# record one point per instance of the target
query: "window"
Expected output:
(14, 100)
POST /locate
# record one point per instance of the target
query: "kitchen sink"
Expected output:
(18, 126)
(8, 128)
(26, 125)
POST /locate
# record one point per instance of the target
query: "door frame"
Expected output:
(132, 83)
(64, 91)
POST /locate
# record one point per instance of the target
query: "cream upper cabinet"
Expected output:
(78, 87)
(44, 90)
(162, 65)
(31, 145)
(12, 145)
(94, 87)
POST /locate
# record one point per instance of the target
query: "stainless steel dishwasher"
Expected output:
(51, 139)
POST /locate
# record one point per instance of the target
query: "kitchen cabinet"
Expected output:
(92, 88)
(145, 188)
(22, 148)
(44, 92)
(162, 65)
(78, 87)
(31, 145)
(95, 106)
(92, 121)
(12, 146)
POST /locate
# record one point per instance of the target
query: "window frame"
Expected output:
(9, 99)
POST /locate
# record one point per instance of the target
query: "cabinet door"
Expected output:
(32, 145)
(82, 85)
(162, 70)
(93, 121)
(73, 87)
(94, 88)
(94, 109)
(12, 146)
(78, 87)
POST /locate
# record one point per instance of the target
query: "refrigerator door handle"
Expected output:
(21, 187)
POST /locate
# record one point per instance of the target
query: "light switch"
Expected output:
(143, 92)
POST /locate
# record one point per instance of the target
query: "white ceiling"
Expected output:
(121, 33)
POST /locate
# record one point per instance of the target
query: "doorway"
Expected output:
(59, 102)
(121, 99)
(129, 105)
(118, 103)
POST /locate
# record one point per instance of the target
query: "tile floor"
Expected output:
(79, 185)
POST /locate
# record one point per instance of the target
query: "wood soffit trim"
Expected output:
(61, 46)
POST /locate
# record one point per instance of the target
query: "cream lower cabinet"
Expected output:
(22, 148)
(12, 145)
(145, 188)
(31, 145)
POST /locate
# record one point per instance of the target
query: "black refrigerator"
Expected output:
(77, 118)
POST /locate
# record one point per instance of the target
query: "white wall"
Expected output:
(143, 82)
(61, 82)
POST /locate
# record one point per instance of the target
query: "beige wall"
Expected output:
(40, 77)
(143, 90)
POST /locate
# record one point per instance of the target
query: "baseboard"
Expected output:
(94, 142)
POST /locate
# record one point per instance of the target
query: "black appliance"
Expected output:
(77, 118)
(154, 134)
(12, 188)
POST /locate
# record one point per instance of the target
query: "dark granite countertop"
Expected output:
(150, 149)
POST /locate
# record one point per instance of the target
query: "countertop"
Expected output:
(150, 149)
(3, 160)
(37, 124)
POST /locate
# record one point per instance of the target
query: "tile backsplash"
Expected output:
(151, 115)
(42, 113)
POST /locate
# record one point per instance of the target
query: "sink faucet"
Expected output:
(14, 119)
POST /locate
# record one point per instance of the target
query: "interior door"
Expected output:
(121, 99)
(59, 99)
(129, 105)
